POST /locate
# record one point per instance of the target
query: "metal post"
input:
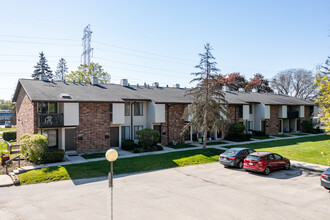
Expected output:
(111, 186)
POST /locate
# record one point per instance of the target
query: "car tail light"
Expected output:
(261, 163)
(232, 158)
(324, 176)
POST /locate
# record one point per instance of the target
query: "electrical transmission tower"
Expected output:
(86, 40)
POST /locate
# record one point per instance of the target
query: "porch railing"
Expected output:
(49, 120)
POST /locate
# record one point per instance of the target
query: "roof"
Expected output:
(239, 148)
(57, 91)
(260, 153)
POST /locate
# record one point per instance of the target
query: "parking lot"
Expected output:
(207, 191)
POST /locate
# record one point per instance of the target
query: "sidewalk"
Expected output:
(126, 154)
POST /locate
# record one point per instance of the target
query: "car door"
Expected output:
(280, 163)
(271, 162)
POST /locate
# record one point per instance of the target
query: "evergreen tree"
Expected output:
(61, 70)
(208, 110)
(42, 68)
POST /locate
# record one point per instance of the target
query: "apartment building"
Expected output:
(90, 117)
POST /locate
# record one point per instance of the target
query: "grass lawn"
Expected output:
(179, 146)
(305, 149)
(8, 129)
(215, 143)
(125, 165)
(261, 137)
(282, 135)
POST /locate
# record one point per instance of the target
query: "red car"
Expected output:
(265, 162)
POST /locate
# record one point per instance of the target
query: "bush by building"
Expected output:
(236, 133)
(127, 145)
(148, 138)
(35, 149)
(9, 135)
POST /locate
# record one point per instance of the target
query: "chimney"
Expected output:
(225, 88)
(124, 82)
(241, 90)
(176, 86)
(255, 90)
(155, 84)
(95, 80)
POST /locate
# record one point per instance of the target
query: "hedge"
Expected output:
(9, 135)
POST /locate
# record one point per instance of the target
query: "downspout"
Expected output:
(168, 123)
(132, 133)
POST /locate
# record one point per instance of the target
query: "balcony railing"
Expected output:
(50, 120)
(293, 114)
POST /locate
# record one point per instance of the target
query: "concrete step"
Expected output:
(5, 180)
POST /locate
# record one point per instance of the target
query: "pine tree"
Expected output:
(42, 68)
(208, 110)
(61, 70)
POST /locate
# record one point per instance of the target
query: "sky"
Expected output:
(159, 41)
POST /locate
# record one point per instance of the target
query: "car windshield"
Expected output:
(230, 152)
(252, 158)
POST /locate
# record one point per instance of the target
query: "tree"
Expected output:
(42, 69)
(61, 70)
(295, 82)
(234, 81)
(323, 99)
(6, 105)
(85, 72)
(260, 83)
(208, 110)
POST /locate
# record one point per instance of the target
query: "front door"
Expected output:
(70, 139)
(114, 137)
(280, 126)
(158, 128)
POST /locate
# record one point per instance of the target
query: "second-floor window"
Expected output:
(127, 109)
(240, 111)
(138, 108)
(111, 113)
(47, 107)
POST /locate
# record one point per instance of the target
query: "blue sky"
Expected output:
(159, 41)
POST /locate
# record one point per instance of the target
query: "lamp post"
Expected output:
(111, 156)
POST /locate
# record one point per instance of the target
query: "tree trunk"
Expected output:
(204, 140)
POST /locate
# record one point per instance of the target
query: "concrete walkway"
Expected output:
(127, 154)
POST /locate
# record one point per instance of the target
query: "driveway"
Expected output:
(206, 191)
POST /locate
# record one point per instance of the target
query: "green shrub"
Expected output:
(35, 149)
(52, 156)
(308, 127)
(127, 145)
(259, 133)
(9, 135)
(237, 129)
(148, 137)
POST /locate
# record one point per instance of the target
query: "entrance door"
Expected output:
(280, 126)
(70, 139)
(114, 137)
(158, 128)
(263, 126)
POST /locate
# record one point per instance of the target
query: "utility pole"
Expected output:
(86, 41)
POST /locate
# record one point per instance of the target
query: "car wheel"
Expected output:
(267, 171)
(327, 188)
(287, 166)
(240, 164)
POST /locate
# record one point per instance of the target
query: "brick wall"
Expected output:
(94, 123)
(173, 115)
(272, 123)
(232, 118)
(26, 115)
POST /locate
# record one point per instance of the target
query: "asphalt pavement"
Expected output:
(207, 191)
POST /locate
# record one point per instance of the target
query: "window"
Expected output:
(250, 151)
(111, 113)
(125, 133)
(250, 109)
(47, 107)
(240, 111)
(277, 157)
(127, 109)
(138, 109)
(250, 125)
(51, 134)
(270, 157)
(137, 128)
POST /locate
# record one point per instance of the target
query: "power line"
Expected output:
(86, 55)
